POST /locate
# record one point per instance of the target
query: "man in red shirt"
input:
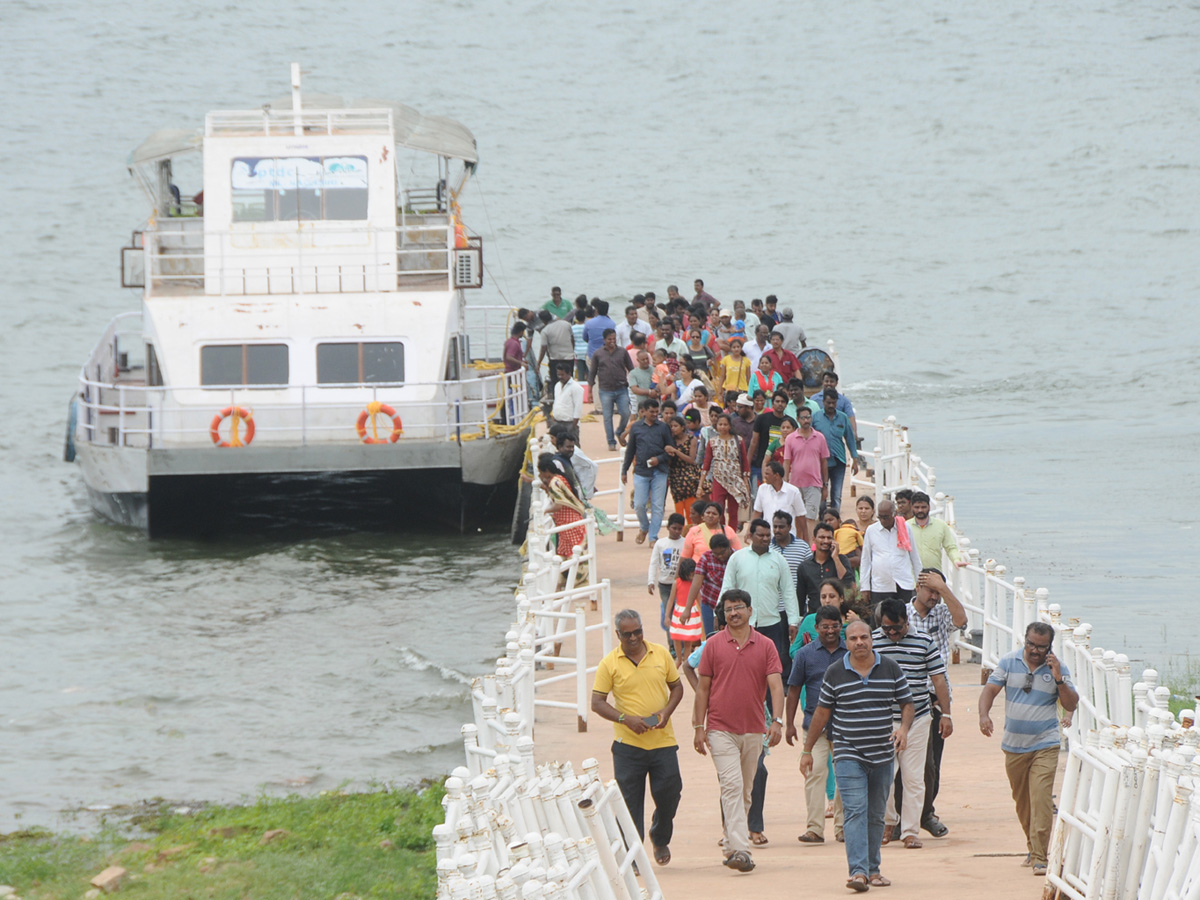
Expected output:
(738, 666)
(783, 361)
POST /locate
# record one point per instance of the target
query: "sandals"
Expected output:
(878, 880)
(887, 835)
(912, 842)
(739, 861)
(811, 837)
(662, 855)
(758, 839)
(858, 883)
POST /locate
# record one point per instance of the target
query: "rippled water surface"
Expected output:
(993, 211)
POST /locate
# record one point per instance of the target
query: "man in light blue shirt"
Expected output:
(839, 436)
(1034, 683)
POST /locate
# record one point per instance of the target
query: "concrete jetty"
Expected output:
(980, 857)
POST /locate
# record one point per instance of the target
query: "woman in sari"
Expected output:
(727, 470)
(683, 478)
(565, 507)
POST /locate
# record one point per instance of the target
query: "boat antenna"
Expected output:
(299, 127)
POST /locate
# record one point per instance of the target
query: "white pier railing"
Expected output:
(516, 829)
(1128, 824)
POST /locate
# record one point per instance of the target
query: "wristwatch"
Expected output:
(1060, 681)
(777, 720)
(620, 718)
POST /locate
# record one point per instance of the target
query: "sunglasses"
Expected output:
(1028, 685)
(626, 635)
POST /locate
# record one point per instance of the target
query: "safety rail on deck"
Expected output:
(179, 254)
(267, 121)
(118, 409)
(513, 828)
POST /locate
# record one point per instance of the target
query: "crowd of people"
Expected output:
(771, 602)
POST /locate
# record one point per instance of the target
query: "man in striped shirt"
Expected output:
(918, 656)
(856, 701)
(1034, 683)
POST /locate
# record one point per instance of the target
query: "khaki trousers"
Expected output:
(814, 789)
(910, 763)
(736, 759)
(1031, 776)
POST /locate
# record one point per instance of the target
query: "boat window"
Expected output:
(222, 364)
(368, 362)
(153, 372)
(299, 188)
(452, 370)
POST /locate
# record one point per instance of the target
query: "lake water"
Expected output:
(993, 211)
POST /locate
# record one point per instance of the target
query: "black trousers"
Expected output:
(778, 635)
(632, 766)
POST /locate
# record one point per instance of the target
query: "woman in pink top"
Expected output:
(695, 542)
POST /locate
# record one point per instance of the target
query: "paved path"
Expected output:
(980, 857)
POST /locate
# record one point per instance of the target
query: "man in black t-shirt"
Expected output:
(825, 562)
(766, 427)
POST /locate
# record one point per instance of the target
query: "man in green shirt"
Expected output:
(766, 577)
(557, 306)
(930, 536)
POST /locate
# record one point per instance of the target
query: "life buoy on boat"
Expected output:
(236, 415)
(373, 409)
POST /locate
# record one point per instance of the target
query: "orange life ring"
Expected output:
(373, 409)
(238, 414)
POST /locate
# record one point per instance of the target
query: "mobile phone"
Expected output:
(650, 721)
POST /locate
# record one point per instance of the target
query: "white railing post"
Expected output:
(581, 667)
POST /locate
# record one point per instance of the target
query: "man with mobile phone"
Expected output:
(1035, 683)
(645, 687)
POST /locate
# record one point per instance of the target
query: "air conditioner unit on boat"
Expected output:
(468, 268)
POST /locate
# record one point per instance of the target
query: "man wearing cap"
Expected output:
(743, 419)
(793, 335)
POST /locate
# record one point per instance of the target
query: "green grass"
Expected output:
(1182, 676)
(332, 850)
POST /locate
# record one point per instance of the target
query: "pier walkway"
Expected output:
(979, 858)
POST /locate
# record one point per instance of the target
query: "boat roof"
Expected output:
(440, 135)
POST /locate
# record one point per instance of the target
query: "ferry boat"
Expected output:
(303, 319)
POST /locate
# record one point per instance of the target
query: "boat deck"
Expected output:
(980, 857)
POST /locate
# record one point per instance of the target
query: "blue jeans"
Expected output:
(837, 475)
(708, 618)
(650, 490)
(621, 400)
(864, 792)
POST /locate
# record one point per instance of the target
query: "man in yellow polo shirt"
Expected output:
(645, 687)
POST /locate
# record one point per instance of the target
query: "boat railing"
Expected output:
(132, 414)
(178, 255)
(267, 121)
(487, 328)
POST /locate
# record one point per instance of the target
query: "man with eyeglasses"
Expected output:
(917, 655)
(738, 667)
(1034, 683)
(645, 687)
